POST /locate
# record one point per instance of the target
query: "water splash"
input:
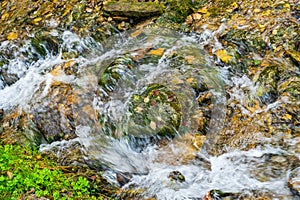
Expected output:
(102, 116)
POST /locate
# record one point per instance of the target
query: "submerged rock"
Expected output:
(176, 176)
(294, 181)
(156, 110)
(119, 69)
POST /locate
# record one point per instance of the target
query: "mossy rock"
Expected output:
(155, 111)
(119, 69)
(133, 9)
(43, 43)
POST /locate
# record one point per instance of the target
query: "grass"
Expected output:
(25, 172)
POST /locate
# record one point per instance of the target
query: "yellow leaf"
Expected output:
(287, 116)
(266, 13)
(295, 55)
(190, 80)
(233, 6)
(153, 125)
(157, 52)
(202, 10)
(12, 36)
(256, 10)
(57, 71)
(37, 20)
(5, 16)
(223, 55)
(235, 16)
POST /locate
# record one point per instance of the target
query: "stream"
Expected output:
(146, 106)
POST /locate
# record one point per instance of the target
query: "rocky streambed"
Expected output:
(199, 102)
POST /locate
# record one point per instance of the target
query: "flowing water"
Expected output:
(106, 100)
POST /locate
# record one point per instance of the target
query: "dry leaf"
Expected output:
(202, 10)
(37, 20)
(223, 55)
(196, 16)
(136, 33)
(5, 17)
(9, 174)
(190, 80)
(153, 125)
(12, 36)
(138, 109)
(157, 52)
(189, 59)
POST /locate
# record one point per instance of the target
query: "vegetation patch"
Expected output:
(24, 173)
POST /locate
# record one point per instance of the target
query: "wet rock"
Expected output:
(176, 176)
(8, 77)
(155, 110)
(43, 43)
(119, 69)
(132, 9)
(123, 178)
(272, 166)
(18, 128)
(268, 79)
(294, 181)
(1, 114)
(53, 113)
(217, 195)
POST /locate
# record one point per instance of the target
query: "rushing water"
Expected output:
(107, 135)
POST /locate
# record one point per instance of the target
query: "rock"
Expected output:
(8, 77)
(119, 69)
(123, 178)
(132, 9)
(53, 113)
(176, 176)
(155, 110)
(1, 114)
(18, 128)
(294, 181)
(43, 43)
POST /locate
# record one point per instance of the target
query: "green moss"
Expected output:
(178, 10)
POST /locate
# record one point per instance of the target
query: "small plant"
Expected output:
(23, 171)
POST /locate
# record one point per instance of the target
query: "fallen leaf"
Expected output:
(157, 52)
(138, 109)
(153, 125)
(146, 100)
(5, 17)
(12, 36)
(223, 55)
(37, 20)
(190, 80)
(189, 59)
(287, 117)
(202, 10)
(9, 174)
(295, 55)
(196, 16)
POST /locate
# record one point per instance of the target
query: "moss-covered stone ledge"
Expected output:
(132, 9)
